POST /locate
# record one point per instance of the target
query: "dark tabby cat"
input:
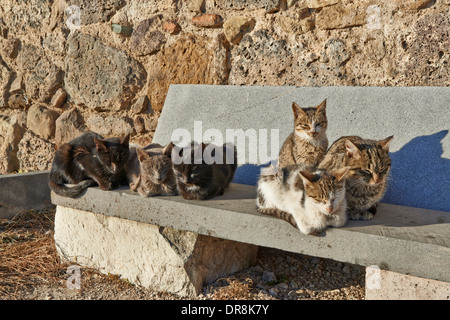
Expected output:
(201, 181)
(87, 161)
(370, 165)
(150, 172)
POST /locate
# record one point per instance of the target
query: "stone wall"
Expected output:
(67, 66)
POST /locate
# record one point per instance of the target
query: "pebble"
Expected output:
(268, 277)
(302, 277)
(171, 26)
(346, 269)
(208, 20)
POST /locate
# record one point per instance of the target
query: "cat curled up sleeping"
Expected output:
(369, 164)
(149, 171)
(309, 200)
(197, 177)
(308, 143)
(86, 161)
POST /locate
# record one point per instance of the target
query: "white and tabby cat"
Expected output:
(310, 201)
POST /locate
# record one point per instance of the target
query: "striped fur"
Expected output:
(308, 143)
(279, 214)
(370, 166)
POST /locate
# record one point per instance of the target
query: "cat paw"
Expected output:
(106, 186)
(373, 209)
(361, 215)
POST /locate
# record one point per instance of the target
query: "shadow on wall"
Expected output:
(419, 178)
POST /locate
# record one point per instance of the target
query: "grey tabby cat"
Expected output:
(149, 171)
(308, 143)
(310, 201)
(370, 165)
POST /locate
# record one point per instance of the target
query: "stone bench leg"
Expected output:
(388, 285)
(162, 259)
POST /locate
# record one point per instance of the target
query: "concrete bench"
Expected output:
(177, 245)
(24, 191)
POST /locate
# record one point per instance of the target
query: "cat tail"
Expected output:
(72, 192)
(279, 214)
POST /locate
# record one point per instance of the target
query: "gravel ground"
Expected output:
(30, 270)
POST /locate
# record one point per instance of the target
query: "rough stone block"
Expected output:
(340, 16)
(41, 121)
(147, 38)
(99, 76)
(10, 134)
(173, 64)
(24, 191)
(389, 285)
(163, 259)
(236, 27)
(68, 126)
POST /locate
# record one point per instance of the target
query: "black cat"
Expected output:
(201, 181)
(87, 161)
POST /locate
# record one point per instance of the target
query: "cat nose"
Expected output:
(330, 209)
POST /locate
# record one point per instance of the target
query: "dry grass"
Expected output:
(232, 288)
(30, 268)
(29, 261)
(27, 252)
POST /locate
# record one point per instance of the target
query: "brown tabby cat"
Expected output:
(308, 143)
(149, 171)
(370, 165)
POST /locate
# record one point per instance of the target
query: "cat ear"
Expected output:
(100, 144)
(307, 177)
(322, 107)
(297, 110)
(167, 151)
(352, 150)
(142, 155)
(385, 143)
(340, 174)
(125, 140)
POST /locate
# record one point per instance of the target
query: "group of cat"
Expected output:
(90, 160)
(313, 187)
